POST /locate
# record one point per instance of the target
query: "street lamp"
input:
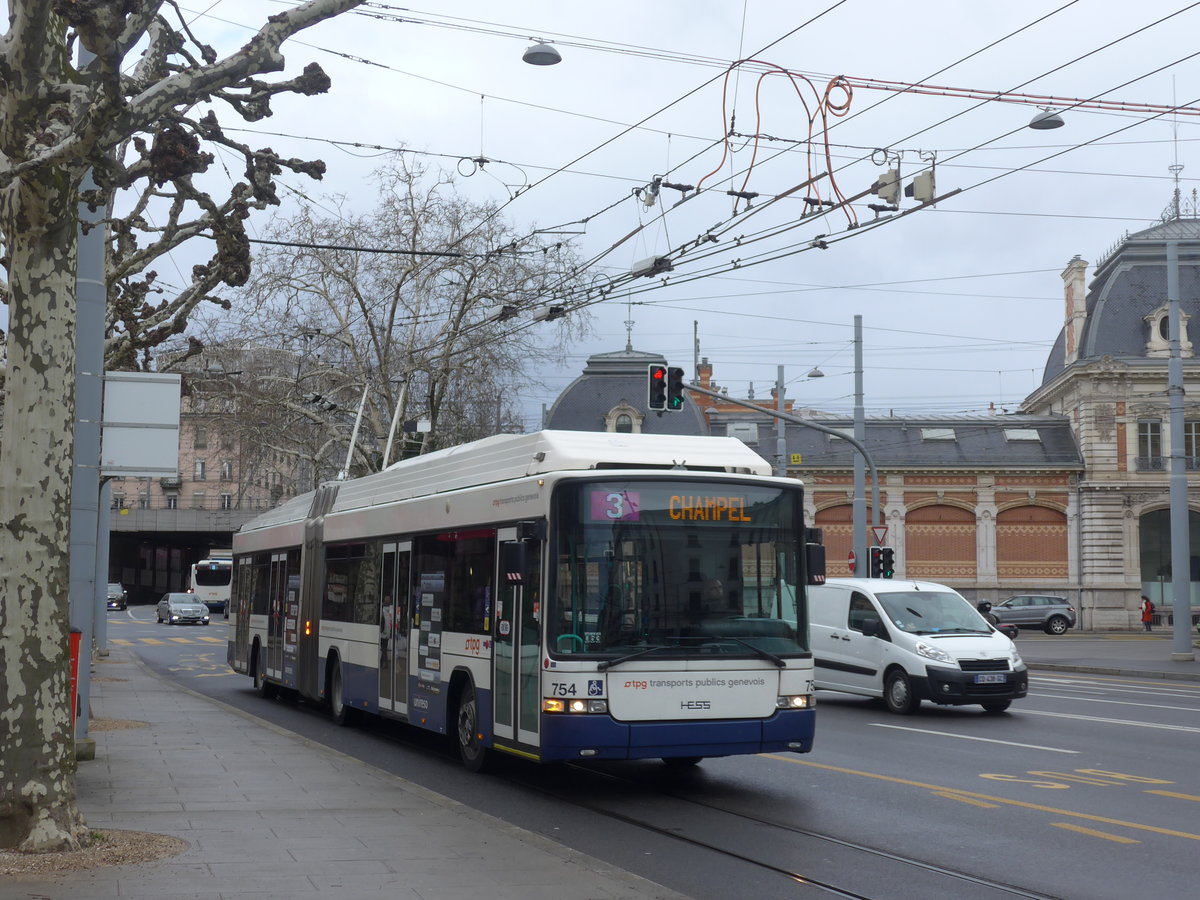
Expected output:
(1046, 120)
(541, 54)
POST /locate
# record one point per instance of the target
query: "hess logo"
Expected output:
(695, 704)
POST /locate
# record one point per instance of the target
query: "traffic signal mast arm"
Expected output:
(796, 420)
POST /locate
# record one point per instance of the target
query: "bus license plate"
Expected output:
(991, 678)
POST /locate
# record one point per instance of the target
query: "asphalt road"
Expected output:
(1086, 789)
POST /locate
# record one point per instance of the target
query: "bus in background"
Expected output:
(211, 580)
(553, 596)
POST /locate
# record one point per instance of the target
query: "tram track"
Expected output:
(919, 877)
(843, 868)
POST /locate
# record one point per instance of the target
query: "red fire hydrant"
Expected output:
(76, 637)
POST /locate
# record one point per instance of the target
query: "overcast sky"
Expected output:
(960, 303)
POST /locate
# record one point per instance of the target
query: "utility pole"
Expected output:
(780, 431)
(859, 509)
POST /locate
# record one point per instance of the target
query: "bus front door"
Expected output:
(517, 656)
(395, 618)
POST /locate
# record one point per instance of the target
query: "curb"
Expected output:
(1113, 670)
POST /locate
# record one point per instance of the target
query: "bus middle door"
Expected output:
(395, 618)
(277, 612)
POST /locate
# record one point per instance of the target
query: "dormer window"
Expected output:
(624, 419)
(1159, 324)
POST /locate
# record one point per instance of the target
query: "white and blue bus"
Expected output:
(555, 596)
(211, 580)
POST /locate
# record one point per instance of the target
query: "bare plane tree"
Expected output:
(424, 302)
(141, 131)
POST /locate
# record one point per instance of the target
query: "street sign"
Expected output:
(880, 532)
(852, 562)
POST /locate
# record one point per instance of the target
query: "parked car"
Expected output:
(117, 598)
(1054, 615)
(177, 607)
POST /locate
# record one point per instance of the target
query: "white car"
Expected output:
(177, 608)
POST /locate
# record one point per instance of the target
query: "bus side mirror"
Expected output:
(814, 555)
(531, 530)
(513, 561)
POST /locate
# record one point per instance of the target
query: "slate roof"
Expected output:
(609, 379)
(1129, 285)
(979, 443)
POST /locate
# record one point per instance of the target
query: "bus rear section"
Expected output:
(211, 580)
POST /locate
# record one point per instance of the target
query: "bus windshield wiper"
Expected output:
(765, 654)
(609, 663)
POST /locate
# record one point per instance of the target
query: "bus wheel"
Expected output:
(338, 711)
(471, 751)
(682, 762)
(265, 689)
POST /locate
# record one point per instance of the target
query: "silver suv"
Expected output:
(1054, 615)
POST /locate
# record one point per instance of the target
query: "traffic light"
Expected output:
(887, 562)
(876, 562)
(887, 186)
(656, 387)
(674, 388)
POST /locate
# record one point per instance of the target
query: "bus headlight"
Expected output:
(554, 705)
(795, 701)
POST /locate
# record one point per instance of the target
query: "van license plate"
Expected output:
(991, 678)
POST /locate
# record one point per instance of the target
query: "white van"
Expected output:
(908, 641)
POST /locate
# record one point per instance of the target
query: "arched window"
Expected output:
(939, 543)
(1031, 542)
(624, 424)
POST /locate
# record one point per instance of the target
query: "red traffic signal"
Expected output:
(656, 387)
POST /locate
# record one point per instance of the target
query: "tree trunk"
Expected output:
(37, 754)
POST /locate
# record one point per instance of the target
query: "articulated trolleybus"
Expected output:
(555, 596)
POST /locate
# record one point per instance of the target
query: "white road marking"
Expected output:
(1185, 728)
(968, 737)
(1190, 709)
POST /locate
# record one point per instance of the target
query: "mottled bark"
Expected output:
(56, 122)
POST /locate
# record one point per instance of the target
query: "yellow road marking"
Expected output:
(949, 795)
(213, 640)
(1092, 832)
(1175, 795)
(155, 641)
(120, 642)
(1120, 823)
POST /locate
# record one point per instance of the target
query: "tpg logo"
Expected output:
(636, 685)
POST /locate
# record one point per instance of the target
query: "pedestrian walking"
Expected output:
(1147, 612)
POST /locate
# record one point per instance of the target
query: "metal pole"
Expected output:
(788, 417)
(860, 481)
(780, 432)
(1181, 577)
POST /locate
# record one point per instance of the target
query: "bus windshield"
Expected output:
(685, 568)
(212, 574)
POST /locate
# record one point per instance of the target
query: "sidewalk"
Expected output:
(1133, 654)
(270, 814)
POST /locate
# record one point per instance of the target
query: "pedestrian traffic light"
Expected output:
(876, 569)
(887, 562)
(674, 388)
(656, 387)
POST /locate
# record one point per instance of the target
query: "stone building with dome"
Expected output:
(1068, 497)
